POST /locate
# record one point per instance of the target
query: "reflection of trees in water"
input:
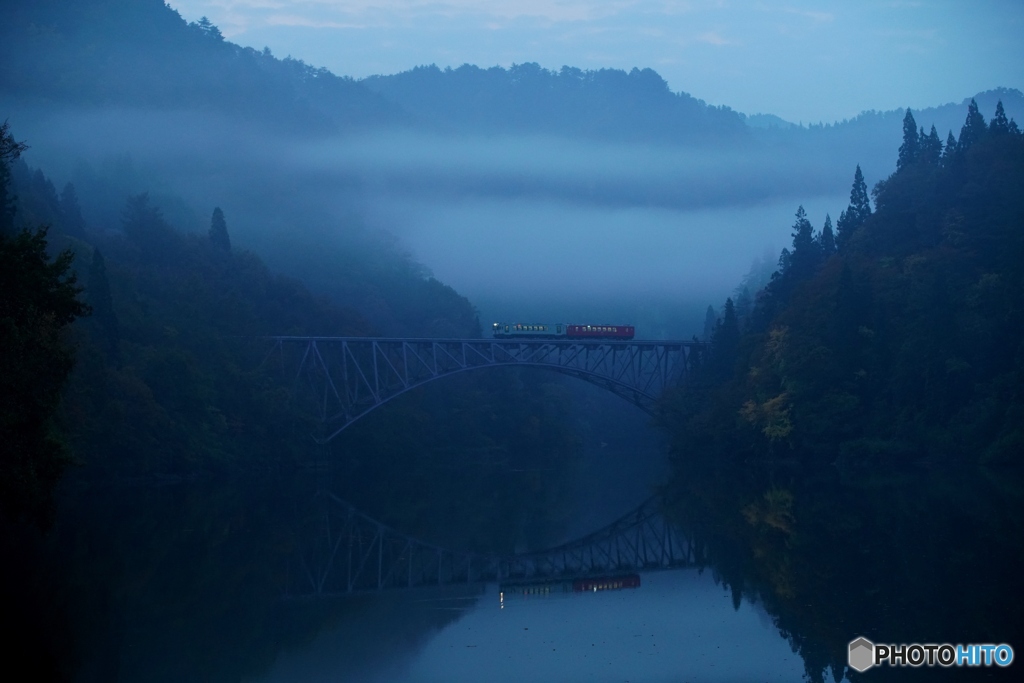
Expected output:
(914, 557)
(176, 583)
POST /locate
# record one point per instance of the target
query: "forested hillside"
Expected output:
(169, 378)
(897, 338)
(141, 53)
(608, 104)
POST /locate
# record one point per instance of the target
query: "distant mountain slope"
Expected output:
(608, 104)
(869, 138)
(142, 53)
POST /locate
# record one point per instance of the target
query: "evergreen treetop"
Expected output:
(827, 239)
(999, 124)
(856, 213)
(950, 148)
(974, 128)
(219, 231)
(910, 150)
(930, 147)
(9, 151)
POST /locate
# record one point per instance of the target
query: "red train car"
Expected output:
(599, 331)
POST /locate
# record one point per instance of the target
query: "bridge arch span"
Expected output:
(347, 552)
(346, 378)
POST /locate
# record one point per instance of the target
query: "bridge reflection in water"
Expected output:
(340, 379)
(350, 552)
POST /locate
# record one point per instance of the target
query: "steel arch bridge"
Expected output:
(352, 553)
(348, 377)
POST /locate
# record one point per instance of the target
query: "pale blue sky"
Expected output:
(805, 61)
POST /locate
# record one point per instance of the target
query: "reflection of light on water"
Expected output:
(680, 626)
(546, 589)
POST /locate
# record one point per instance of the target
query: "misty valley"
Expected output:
(493, 374)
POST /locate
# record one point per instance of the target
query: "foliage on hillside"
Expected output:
(169, 379)
(905, 344)
(607, 104)
(141, 53)
(39, 299)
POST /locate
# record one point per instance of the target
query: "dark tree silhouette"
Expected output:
(144, 224)
(856, 213)
(950, 148)
(9, 151)
(974, 128)
(999, 124)
(931, 147)
(98, 293)
(71, 214)
(709, 323)
(806, 254)
(219, 231)
(725, 340)
(910, 150)
(827, 240)
(40, 298)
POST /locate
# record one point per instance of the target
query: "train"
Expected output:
(561, 331)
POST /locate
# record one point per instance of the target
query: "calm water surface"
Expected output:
(185, 582)
(677, 626)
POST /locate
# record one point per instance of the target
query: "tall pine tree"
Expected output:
(219, 231)
(806, 254)
(910, 150)
(999, 124)
(950, 149)
(856, 213)
(931, 147)
(827, 239)
(71, 214)
(974, 128)
(10, 150)
(98, 293)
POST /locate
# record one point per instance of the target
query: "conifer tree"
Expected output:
(71, 213)
(725, 340)
(910, 149)
(710, 318)
(144, 224)
(827, 240)
(10, 150)
(744, 305)
(931, 147)
(219, 231)
(950, 149)
(974, 128)
(102, 303)
(39, 300)
(999, 125)
(856, 213)
(806, 253)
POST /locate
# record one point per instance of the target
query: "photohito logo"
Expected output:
(863, 654)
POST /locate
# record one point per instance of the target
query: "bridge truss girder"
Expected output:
(352, 553)
(344, 378)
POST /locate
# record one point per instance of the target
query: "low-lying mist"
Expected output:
(528, 228)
